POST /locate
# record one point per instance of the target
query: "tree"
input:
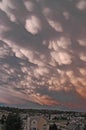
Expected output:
(53, 127)
(13, 122)
(84, 127)
(3, 119)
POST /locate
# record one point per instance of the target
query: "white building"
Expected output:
(36, 123)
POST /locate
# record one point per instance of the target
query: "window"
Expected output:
(44, 127)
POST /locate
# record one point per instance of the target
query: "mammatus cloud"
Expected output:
(43, 53)
(81, 5)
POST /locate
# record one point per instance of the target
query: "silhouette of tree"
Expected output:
(85, 127)
(3, 119)
(13, 122)
(53, 127)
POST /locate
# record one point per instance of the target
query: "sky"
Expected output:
(43, 54)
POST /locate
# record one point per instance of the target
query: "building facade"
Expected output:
(36, 123)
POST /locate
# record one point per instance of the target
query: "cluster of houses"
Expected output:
(44, 121)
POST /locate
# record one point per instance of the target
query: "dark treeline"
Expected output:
(42, 111)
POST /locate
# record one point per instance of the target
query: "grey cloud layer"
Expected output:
(43, 52)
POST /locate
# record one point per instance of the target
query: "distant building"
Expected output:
(36, 123)
(75, 126)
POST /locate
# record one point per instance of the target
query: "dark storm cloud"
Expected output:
(43, 52)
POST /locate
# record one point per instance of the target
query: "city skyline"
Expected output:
(43, 54)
